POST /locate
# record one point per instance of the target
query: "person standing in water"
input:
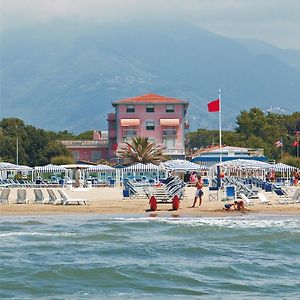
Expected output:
(199, 193)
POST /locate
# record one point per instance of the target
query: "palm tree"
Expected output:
(141, 150)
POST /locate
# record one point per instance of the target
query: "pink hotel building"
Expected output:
(161, 119)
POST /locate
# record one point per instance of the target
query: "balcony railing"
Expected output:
(170, 151)
(129, 132)
(170, 132)
(102, 142)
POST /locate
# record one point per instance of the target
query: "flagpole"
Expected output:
(220, 126)
(297, 139)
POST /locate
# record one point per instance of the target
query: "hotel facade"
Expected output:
(161, 119)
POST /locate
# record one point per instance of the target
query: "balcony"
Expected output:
(129, 132)
(169, 132)
(174, 151)
(87, 144)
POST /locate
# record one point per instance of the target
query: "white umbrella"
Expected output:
(8, 166)
(244, 164)
(280, 167)
(50, 169)
(182, 165)
(284, 169)
(100, 168)
(141, 167)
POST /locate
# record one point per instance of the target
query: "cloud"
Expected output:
(273, 21)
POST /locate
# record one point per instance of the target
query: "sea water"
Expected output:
(114, 257)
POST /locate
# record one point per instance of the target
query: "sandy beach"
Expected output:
(110, 201)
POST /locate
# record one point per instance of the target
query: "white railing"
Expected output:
(85, 143)
(174, 151)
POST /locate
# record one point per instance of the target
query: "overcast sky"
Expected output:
(273, 21)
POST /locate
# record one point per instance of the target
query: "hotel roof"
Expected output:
(150, 98)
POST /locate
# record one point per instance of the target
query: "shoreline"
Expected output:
(109, 201)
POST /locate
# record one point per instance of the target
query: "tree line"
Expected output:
(36, 146)
(255, 129)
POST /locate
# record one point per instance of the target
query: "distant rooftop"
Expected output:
(236, 150)
(228, 153)
(150, 98)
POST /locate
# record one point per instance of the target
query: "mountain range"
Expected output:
(64, 75)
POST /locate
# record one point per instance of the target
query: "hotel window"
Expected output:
(130, 108)
(150, 125)
(170, 108)
(150, 108)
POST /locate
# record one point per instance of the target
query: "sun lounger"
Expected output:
(67, 200)
(52, 197)
(4, 196)
(263, 199)
(280, 192)
(39, 197)
(294, 199)
(21, 196)
(246, 199)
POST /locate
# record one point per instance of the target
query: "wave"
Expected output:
(54, 234)
(244, 222)
(29, 222)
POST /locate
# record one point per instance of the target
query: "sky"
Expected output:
(273, 21)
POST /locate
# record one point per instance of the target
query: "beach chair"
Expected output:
(263, 199)
(230, 192)
(280, 193)
(4, 196)
(294, 199)
(21, 196)
(39, 197)
(52, 197)
(213, 193)
(68, 201)
(246, 199)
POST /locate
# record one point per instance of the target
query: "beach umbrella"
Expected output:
(244, 164)
(182, 165)
(284, 169)
(141, 167)
(281, 167)
(103, 169)
(50, 169)
(100, 168)
(243, 167)
(8, 166)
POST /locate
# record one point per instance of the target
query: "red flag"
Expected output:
(295, 144)
(214, 106)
